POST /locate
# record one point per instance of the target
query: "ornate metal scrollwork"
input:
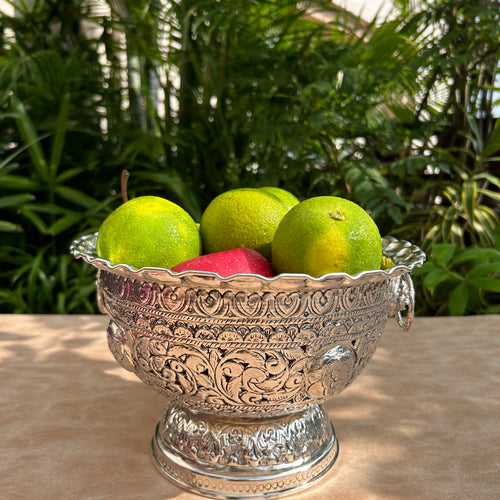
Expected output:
(265, 352)
(246, 362)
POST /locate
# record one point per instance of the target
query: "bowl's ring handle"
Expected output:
(406, 301)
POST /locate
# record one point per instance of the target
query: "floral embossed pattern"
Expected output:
(246, 361)
(247, 353)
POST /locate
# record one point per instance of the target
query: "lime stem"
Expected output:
(125, 176)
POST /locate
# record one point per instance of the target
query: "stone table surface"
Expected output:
(421, 422)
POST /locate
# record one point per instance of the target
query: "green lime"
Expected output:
(241, 218)
(326, 234)
(148, 231)
(287, 198)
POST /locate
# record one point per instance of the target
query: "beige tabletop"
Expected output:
(421, 422)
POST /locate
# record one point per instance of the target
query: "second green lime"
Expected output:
(242, 218)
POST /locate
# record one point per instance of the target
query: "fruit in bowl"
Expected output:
(288, 199)
(148, 231)
(237, 260)
(246, 361)
(242, 218)
(263, 231)
(326, 234)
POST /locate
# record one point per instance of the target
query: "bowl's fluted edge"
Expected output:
(404, 254)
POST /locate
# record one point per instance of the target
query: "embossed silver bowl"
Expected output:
(246, 363)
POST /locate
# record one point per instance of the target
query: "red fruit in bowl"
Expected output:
(238, 260)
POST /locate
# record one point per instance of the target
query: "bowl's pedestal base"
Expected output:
(227, 457)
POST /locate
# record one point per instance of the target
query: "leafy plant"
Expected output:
(197, 97)
(48, 118)
(43, 207)
(461, 207)
(460, 281)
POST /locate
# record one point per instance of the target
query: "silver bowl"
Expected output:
(246, 362)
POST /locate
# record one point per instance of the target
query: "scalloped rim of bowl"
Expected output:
(404, 254)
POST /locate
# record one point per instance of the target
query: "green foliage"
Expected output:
(462, 210)
(197, 97)
(460, 281)
(44, 210)
(65, 139)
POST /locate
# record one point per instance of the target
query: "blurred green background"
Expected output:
(197, 97)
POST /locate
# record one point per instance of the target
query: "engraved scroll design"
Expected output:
(244, 380)
(259, 443)
(231, 305)
(119, 342)
(247, 353)
(221, 378)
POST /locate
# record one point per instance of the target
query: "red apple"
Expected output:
(238, 260)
